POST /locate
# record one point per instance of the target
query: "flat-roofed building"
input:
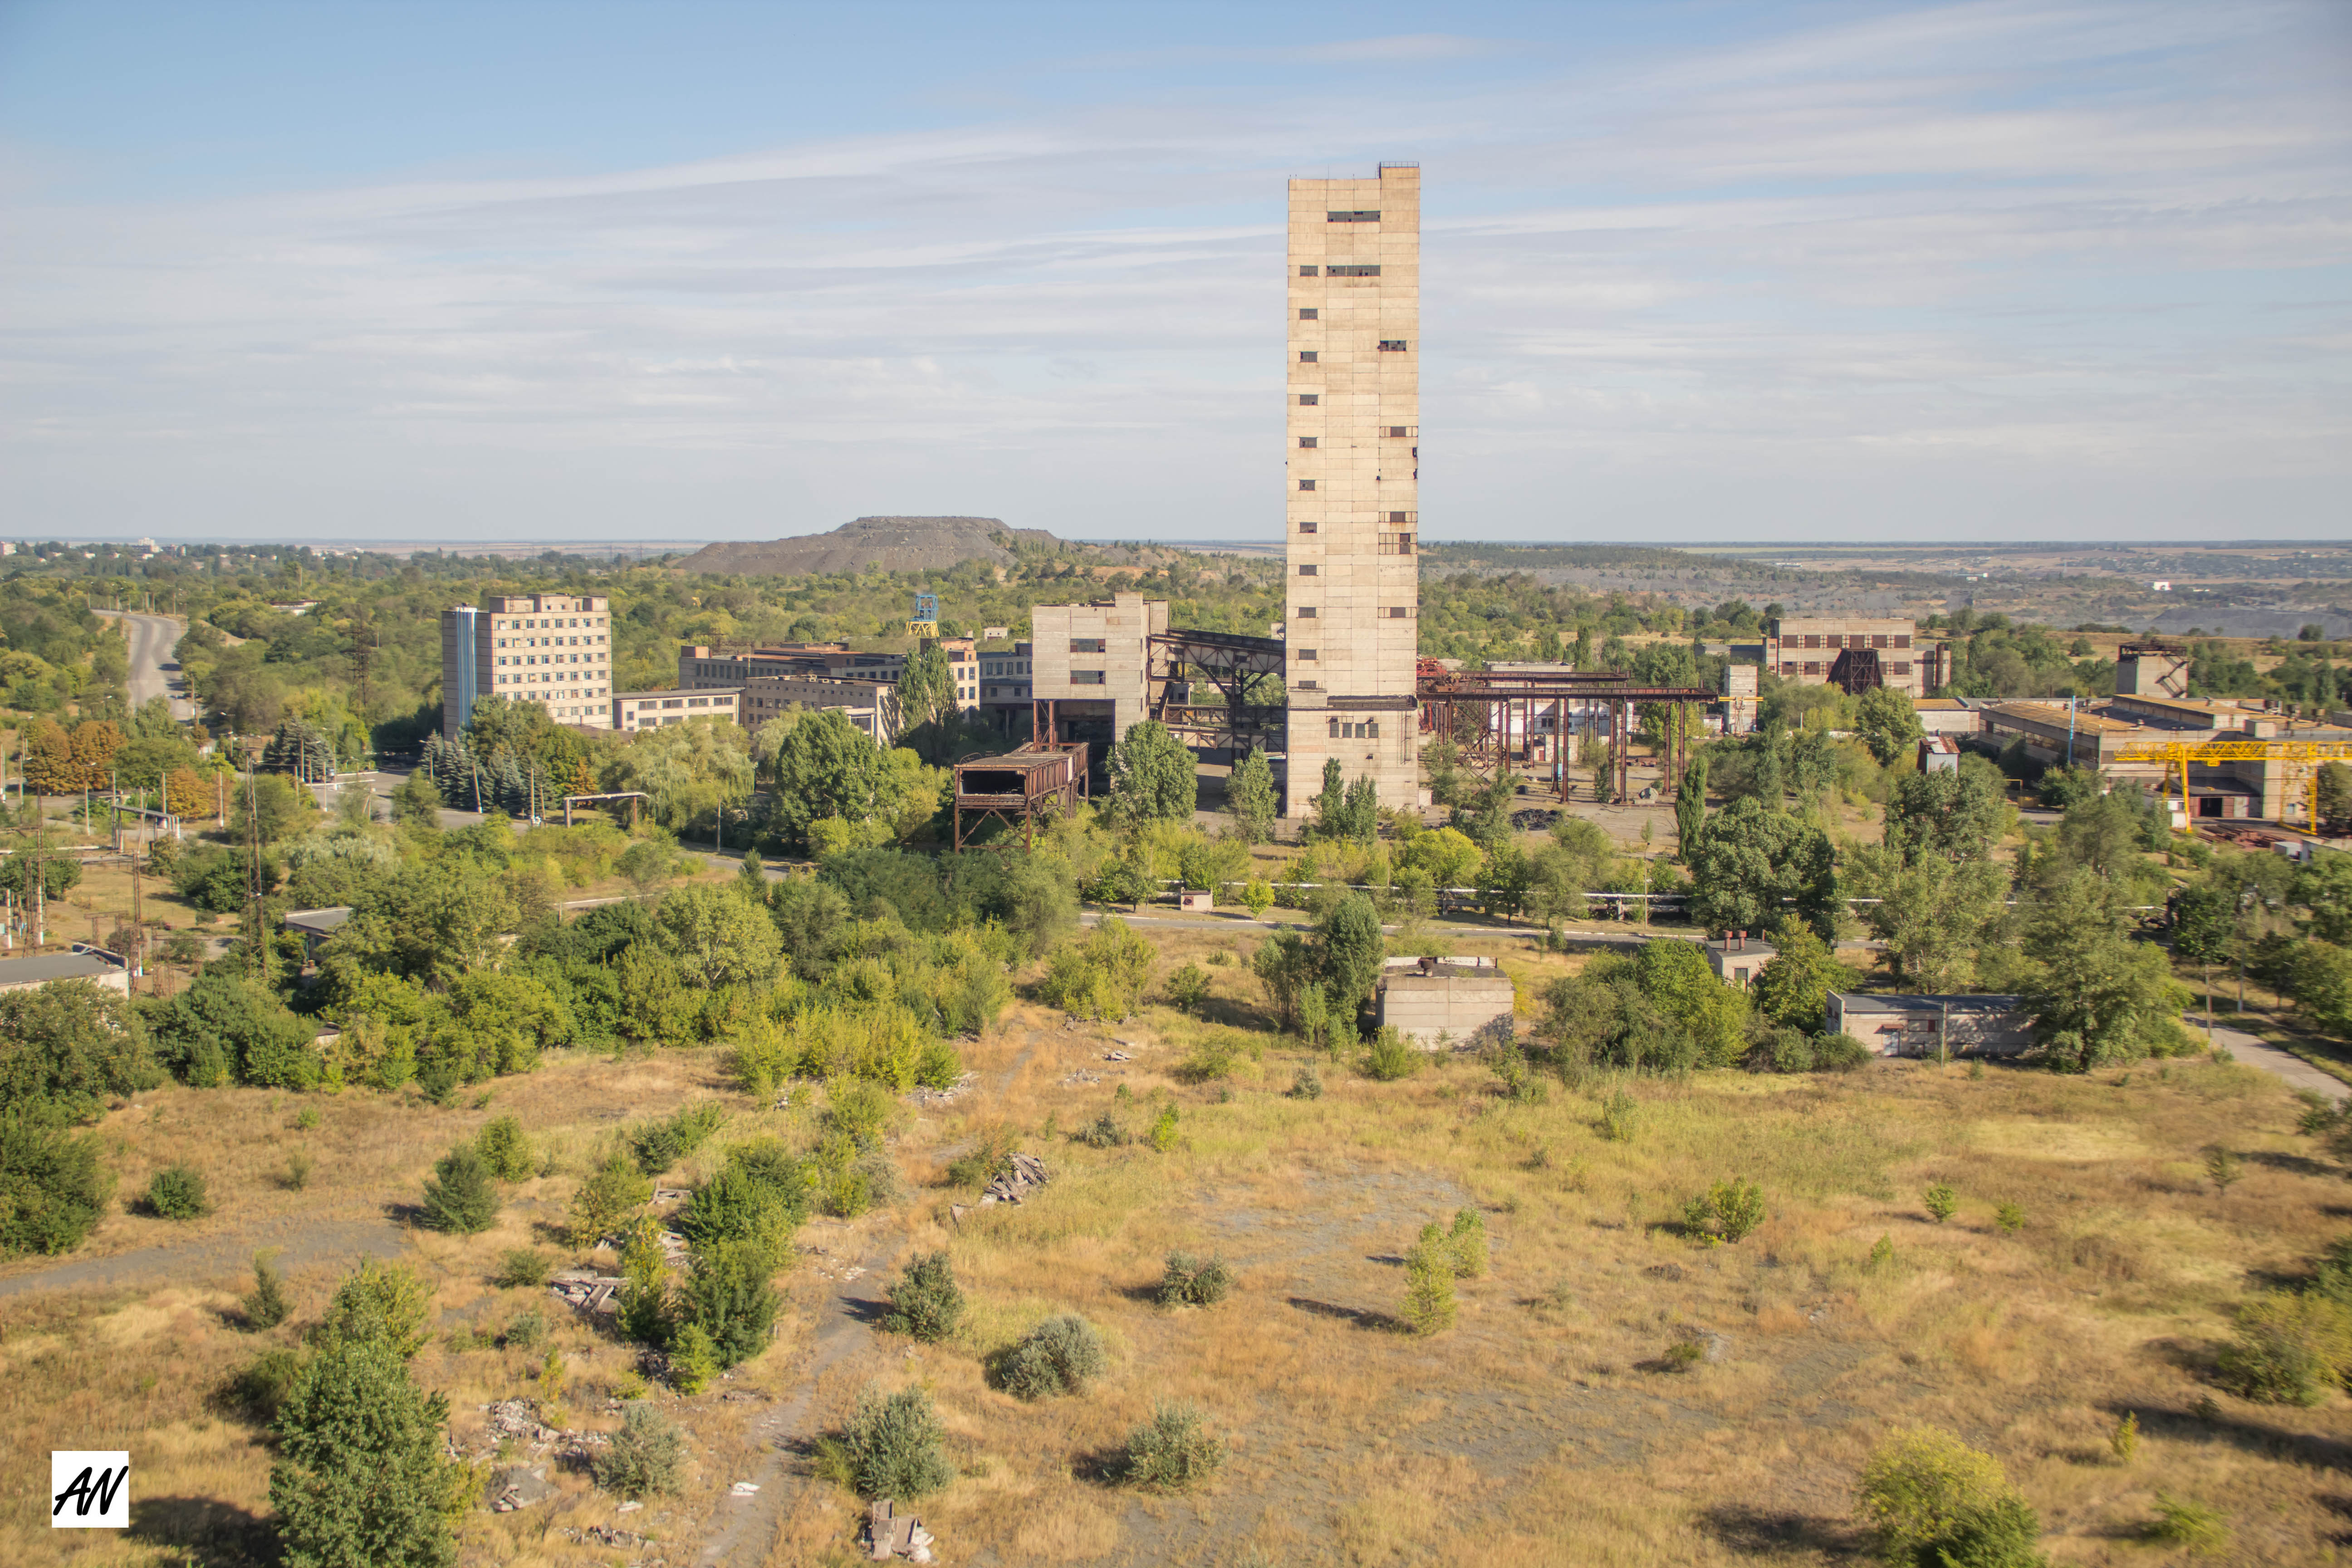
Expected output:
(871, 705)
(1351, 483)
(1805, 650)
(700, 665)
(106, 970)
(1006, 683)
(554, 649)
(1090, 663)
(1949, 715)
(636, 711)
(1963, 1025)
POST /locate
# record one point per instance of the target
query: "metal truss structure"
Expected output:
(1020, 787)
(1238, 669)
(2305, 757)
(1490, 716)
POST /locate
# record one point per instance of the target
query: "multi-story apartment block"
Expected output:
(699, 667)
(555, 650)
(1806, 649)
(1354, 440)
(1087, 667)
(634, 710)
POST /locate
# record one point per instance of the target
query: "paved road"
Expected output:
(153, 672)
(2286, 1065)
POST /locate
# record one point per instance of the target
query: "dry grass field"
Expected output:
(1545, 1427)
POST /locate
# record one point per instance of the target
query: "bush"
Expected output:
(1258, 897)
(728, 1295)
(259, 1387)
(1942, 1201)
(458, 1198)
(521, 1268)
(265, 1306)
(1191, 1281)
(664, 1144)
(1516, 1077)
(53, 1189)
(2011, 1218)
(361, 1475)
(1174, 1450)
(856, 1110)
(1467, 1242)
(1060, 1355)
(990, 1157)
(380, 1301)
(1923, 1489)
(2290, 1350)
(895, 1447)
(2180, 1523)
(1103, 1133)
(176, 1191)
(1162, 1136)
(1728, 1211)
(1619, 1114)
(1306, 1084)
(644, 1457)
(524, 1332)
(1188, 989)
(1389, 1057)
(1838, 1053)
(693, 1360)
(606, 1198)
(760, 1195)
(925, 1300)
(505, 1149)
(1429, 1305)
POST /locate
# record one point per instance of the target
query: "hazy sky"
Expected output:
(687, 271)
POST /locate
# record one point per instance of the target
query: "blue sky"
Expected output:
(683, 271)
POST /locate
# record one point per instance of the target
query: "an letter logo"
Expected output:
(88, 1489)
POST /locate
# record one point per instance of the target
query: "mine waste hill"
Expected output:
(892, 543)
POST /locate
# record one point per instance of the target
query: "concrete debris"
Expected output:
(587, 1291)
(518, 1419)
(948, 1095)
(890, 1533)
(1025, 1176)
(1117, 1056)
(630, 1507)
(672, 1194)
(956, 1213)
(673, 1245)
(744, 1488)
(519, 1486)
(607, 1535)
(1718, 1348)
(1081, 1078)
(1666, 1271)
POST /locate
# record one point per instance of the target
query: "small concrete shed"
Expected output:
(1466, 1000)
(1964, 1025)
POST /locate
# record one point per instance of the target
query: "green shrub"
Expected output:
(1844, 1053)
(1928, 1497)
(605, 1199)
(524, 1331)
(53, 1188)
(1162, 1137)
(1174, 1450)
(1429, 1304)
(385, 1303)
(2125, 1438)
(644, 1457)
(259, 1388)
(1103, 1133)
(693, 1360)
(2181, 1522)
(1942, 1201)
(265, 1306)
(1188, 989)
(1258, 897)
(2290, 1350)
(856, 1110)
(458, 1196)
(176, 1191)
(298, 1170)
(1516, 1077)
(1467, 1241)
(990, 1156)
(362, 1473)
(1682, 1354)
(730, 1296)
(521, 1268)
(1306, 1084)
(505, 1149)
(1210, 1059)
(662, 1144)
(2011, 1218)
(760, 1195)
(1728, 1211)
(1620, 1116)
(1389, 1057)
(1060, 1355)
(895, 1445)
(925, 1302)
(1190, 1281)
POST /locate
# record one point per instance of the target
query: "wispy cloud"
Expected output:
(1987, 268)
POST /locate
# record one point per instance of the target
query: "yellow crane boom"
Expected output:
(2305, 755)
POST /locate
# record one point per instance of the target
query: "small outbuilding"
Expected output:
(84, 963)
(1464, 1001)
(1200, 899)
(1738, 957)
(1963, 1025)
(316, 926)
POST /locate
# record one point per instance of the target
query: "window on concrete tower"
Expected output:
(1307, 356)
(1307, 441)
(1307, 526)
(1310, 314)
(1307, 484)
(1310, 399)
(1307, 272)
(1304, 655)
(1393, 345)
(1307, 571)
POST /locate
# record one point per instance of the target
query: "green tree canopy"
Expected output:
(1153, 777)
(1250, 798)
(1951, 813)
(1350, 947)
(1750, 859)
(71, 1044)
(1889, 723)
(359, 1479)
(2095, 996)
(718, 936)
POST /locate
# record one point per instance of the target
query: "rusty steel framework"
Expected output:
(1855, 670)
(1018, 785)
(1234, 664)
(1490, 716)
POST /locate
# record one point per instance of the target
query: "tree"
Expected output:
(1793, 989)
(1331, 801)
(1932, 1500)
(417, 800)
(926, 692)
(1249, 796)
(1933, 914)
(2095, 996)
(729, 1297)
(94, 744)
(825, 767)
(1889, 724)
(70, 1045)
(1677, 980)
(458, 1196)
(53, 1188)
(1750, 859)
(187, 792)
(226, 1029)
(718, 936)
(56, 875)
(360, 1481)
(47, 760)
(1350, 951)
(2334, 793)
(1690, 807)
(385, 1303)
(1952, 814)
(2205, 929)
(1153, 777)
(271, 807)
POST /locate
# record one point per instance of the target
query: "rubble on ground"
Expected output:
(585, 1290)
(519, 1486)
(890, 1533)
(1023, 1175)
(517, 1420)
(947, 1096)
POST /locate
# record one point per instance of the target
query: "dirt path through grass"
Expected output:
(299, 1243)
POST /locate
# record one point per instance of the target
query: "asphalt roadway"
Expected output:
(153, 671)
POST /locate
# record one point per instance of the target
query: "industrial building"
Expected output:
(635, 711)
(1090, 666)
(1352, 442)
(1856, 652)
(1435, 1002)
(1967, 1025)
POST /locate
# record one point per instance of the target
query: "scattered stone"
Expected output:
(1023, 1175)
(1117, 1056)
(743, 1488)
(519, 1486)
(672, 1194)
(1080, 1078)
(1718, 1348)
(630, 1507)
(586, 1291)
(890, 1533)
(517, 1420)
(948, 1095)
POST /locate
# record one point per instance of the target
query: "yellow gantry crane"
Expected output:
(2307, 756)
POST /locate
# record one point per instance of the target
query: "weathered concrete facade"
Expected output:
(1971, 1025)
(1462, 1001)
(1089, 662)
(1352, 443)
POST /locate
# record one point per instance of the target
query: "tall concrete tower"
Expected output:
(1354, 451)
